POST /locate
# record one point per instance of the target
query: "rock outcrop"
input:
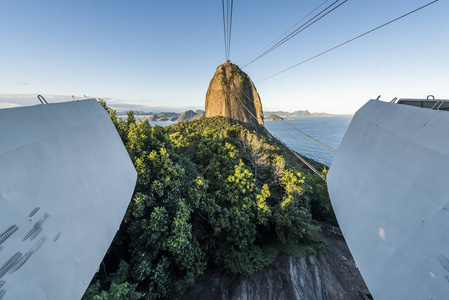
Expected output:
(329, 275)
(232, 94)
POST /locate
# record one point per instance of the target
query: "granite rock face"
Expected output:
(329, 275)
(232, 94)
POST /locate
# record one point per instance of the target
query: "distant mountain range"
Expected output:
(188, 115)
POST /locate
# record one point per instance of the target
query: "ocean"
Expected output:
(162, 123)
(328, 130)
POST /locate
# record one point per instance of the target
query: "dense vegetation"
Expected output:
(211, 195)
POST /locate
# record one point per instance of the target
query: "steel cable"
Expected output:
(224, 29)
(298, 30)
(291, 150)
(280, 36)
(348, 41)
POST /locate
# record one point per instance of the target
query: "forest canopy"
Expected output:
(211, 195)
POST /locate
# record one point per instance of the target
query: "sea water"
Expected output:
(327, 130)
(162, 123)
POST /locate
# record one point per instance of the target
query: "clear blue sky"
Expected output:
(164, 53)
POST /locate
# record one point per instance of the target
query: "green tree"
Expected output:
(210, 193)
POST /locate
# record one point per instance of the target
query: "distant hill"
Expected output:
(199, 115)
(185, 116)
(190, 115)
(322, 115)
(273, 117)
(298, 113)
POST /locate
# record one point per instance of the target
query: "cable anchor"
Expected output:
(42, 99)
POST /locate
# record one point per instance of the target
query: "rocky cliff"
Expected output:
(232, 94)
(328, 275)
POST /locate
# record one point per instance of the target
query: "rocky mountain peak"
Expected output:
(232, 94)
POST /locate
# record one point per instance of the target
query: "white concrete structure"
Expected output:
(65, 183)
(389, 186)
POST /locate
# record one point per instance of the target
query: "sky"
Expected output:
(161, 55)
